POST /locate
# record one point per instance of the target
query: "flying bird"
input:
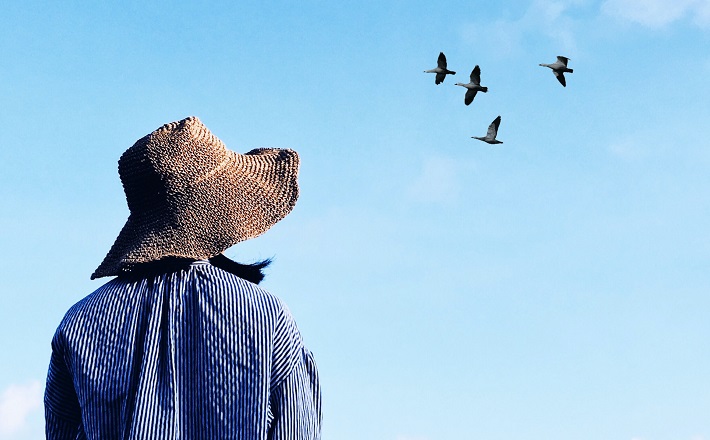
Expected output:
(492, 133)
(559, 67)
(441, 70)
(474, 86)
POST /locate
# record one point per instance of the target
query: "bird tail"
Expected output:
(484, 89)
(571, 70)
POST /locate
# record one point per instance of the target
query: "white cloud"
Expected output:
(659, 13)
(549, 17)
(695, 437)
(628, 149)
(16, 404)
(437, 181)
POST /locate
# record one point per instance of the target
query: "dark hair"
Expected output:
(250, 272)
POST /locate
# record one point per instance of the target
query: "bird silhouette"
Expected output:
(490, 137)
(559, 67)
(441, 70)
(474, 86)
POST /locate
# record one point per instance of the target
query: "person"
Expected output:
(182, 343)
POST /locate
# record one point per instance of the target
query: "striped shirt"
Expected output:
(193, 354)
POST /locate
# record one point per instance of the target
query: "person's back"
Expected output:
(188, 352)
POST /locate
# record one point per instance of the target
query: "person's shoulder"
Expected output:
(93, 308)
(95, 298)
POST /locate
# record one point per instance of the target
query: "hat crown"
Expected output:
(168, 160)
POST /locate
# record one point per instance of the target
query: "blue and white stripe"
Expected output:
(193, 354)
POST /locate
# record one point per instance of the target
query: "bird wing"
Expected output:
(440, 78)
(441, 62)
(470, 94)
(476, 75)
(560, 77)
(562, 60)
(493, 128)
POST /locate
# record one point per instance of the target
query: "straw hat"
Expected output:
(191, 197)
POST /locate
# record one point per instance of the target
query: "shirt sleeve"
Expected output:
(61, 406)
(295, 404)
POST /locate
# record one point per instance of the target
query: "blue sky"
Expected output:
(552, 287)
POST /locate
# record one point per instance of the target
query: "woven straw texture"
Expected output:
(189, 196)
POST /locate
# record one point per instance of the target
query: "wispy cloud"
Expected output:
(695, 437)
(17, 402)
(549, 17)
(437, 182)
(628, 148)
(659, 13)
